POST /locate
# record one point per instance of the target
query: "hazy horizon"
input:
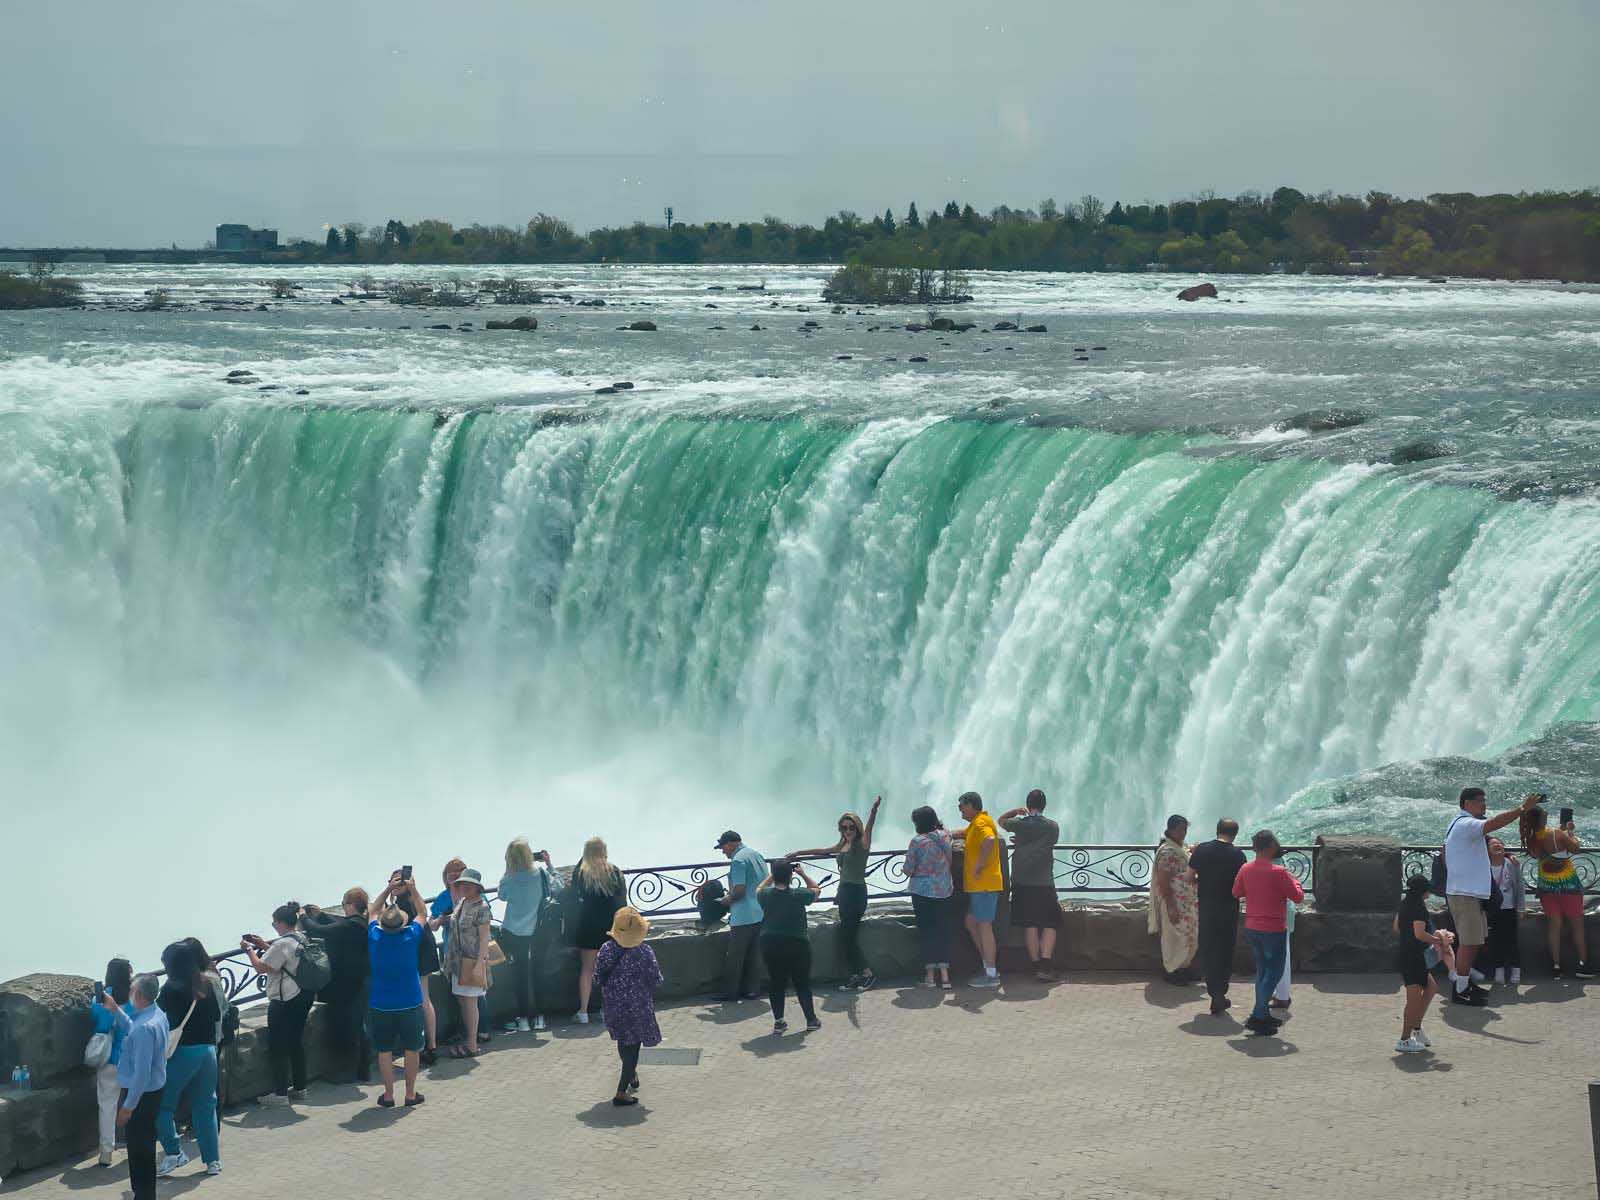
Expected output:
(121, 131)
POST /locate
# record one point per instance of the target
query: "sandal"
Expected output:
(463, 1052)
(624, 1101)
(386, 1102)
(413, 1101)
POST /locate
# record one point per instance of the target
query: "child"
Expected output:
(1505, 909)
(1418, 944)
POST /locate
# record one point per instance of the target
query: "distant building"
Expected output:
(242, 237)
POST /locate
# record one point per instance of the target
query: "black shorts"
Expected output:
(400, 1030)
(1414, 972)
(1035, 907)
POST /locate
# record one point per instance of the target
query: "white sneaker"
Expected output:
(1516, 976)
(583, 1018)
(538, 1024)
(1418, 1036)
(523, 1026)
(105, 1158)
(511, 1027)
(171, 1162)
(213, 1168)
(1499, 974)
(1409, 1046)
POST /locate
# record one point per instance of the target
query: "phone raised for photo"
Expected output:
(1566, 816)
(405, 873)
(99, 991)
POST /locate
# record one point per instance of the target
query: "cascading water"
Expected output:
(914, 606)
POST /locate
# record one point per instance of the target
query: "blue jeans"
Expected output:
(191, 1070)
(1270, 950)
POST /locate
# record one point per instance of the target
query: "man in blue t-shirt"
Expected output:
(395, 1013)
(747, 868)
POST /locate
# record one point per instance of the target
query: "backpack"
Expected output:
(713, 908)
(316, 970)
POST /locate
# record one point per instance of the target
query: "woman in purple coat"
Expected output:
(628, 975)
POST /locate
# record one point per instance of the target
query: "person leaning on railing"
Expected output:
(928, 879)
(288, 1005)
(345, 935)
(598, 892)
(526, 885)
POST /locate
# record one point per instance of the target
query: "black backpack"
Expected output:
(713, 908)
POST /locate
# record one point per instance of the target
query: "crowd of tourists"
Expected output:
(156, 1038)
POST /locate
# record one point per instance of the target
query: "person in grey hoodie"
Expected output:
(528, 882)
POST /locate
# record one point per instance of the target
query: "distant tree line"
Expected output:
(1529, 235)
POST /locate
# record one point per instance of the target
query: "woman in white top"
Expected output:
(287, 1005)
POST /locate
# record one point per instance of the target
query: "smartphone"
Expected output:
(1566, 816)
(405, 873)
(99, 991)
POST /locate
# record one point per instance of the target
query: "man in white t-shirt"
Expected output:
(1466, 865)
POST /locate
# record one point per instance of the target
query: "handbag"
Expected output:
(494, 955)
(98, 1052)
(175, 1036)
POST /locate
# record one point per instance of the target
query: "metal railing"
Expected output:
(1081, 870)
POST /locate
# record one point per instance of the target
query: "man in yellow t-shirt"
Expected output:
(982, 879)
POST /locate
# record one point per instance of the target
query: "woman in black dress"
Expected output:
(599, 891)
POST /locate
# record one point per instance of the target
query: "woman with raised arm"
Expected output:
(1560, 893)
(851, 850)
(785, 939)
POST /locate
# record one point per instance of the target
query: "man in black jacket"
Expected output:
(345, 936)
(1215, 864)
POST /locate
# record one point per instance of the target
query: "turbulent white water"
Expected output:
(261, 645)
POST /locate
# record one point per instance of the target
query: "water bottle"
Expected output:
(27, 1080)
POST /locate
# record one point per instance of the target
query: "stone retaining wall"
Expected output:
(44, 1019)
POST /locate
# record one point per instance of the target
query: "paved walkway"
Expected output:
(1103, 1086)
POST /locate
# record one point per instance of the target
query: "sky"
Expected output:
(148, 124)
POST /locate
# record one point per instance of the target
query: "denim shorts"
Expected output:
(398, 1030)
(982, 906)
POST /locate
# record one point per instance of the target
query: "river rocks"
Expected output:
(1200, 291)
(605, 391)
(914, 327)
(916, 358)
(842, 357)
(1097, 347)
(751, 287)
(716, 287)
(1321, 420)
(1357, 873)
(755, 329)
(1035, 329)
(941, 324)
(1415, 452)
(591, 303)
(811, 325)
(445, 327)
(642, 327)
(1081, 358)
(964, 326)
(244, 377)
(623, 386)
(525, 324)
(44, 1023)
(1005, 326)
(337, 301)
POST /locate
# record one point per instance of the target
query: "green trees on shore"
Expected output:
(1530, 235)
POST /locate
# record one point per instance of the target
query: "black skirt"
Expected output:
(427, 954)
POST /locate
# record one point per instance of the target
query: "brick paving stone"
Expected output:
(1101, 1086)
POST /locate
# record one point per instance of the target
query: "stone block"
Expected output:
(46, 1125)
(1357, 873)
(45, 1024)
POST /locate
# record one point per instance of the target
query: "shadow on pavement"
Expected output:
(731, 1013)
(1263, 1046)
(606, 1115)
(1161, 994)
(774, 1043)
(1465, 1018)
(369, 1119)
(918, 998)
(1549, 991)
(266, 1116)
(322, 1095)
(1420, 1064)
(1351, 985)
(843, 1002)
(1206, 1025)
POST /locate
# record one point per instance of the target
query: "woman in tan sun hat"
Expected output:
(628, 975)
